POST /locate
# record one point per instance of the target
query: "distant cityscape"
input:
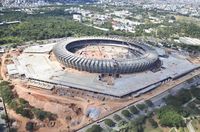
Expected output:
(185, 7)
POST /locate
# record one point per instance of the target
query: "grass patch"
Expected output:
(188, 19)
(173, 130)
(149, 128)
(196, 124)
(183, 129)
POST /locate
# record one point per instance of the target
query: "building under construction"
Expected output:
(93, 66)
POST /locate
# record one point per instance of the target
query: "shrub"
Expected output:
(24, 112)
(23, 102)
(41, 115)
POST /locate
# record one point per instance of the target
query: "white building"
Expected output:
(77, 17)
(190, 41)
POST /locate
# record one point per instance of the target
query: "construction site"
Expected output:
(84, 79)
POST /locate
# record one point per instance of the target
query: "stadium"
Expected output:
(98, 67)
(103, 55)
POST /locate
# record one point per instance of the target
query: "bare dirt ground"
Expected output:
(101, 52)
(62, 106)
(3, 67)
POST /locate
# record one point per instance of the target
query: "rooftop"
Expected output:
(39, 48)
(190, 41)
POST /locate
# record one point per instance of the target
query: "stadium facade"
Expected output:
(144, 56)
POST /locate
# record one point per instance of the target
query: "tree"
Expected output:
(13, 105)
(6, 92)
(140, 120)
(134, 126)
(195, 92)
(117, 117)
(141, 106)
(169, 117)
(95, 128)
(109, 122)
(4, 117)
(149, 103)
(133, 109)
(149, 114)
(184, 96)
(173, 17)
(41, 115)
(172, 100)
(30, 126)
(153, 122)
(126, 113)
(122, 123)
(185, 112)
